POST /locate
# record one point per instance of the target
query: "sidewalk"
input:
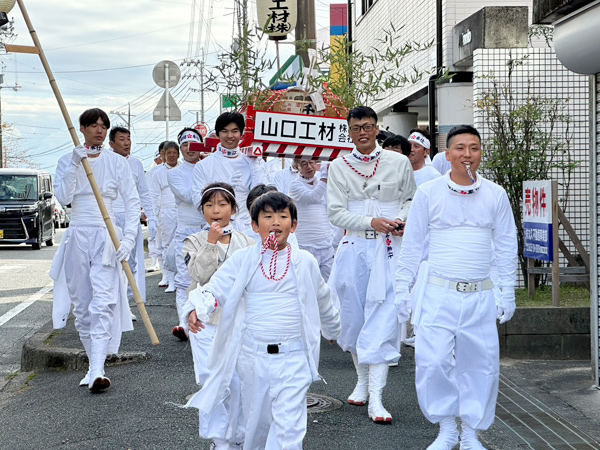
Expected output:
(542, 404)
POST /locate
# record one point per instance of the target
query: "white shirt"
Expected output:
(181, 182)
(272, 307)
(440, 163)
(425, 174)
(139, 177)
(314, 229)
(114, 178)
(465, 232)
(283, 178)
(393, 181)
(160, 191)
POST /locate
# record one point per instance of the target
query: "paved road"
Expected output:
(141, 410)
(25, 298)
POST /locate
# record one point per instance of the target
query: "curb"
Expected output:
(39, 356)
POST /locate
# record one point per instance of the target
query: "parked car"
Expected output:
(60, 216)
(26, 207)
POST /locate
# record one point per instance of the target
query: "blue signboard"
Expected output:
(538, 241)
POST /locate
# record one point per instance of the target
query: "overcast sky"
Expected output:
(102, 54)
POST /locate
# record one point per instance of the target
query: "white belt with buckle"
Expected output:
(366, 234)
(462, 286)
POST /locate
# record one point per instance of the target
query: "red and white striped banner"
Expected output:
(300, 151)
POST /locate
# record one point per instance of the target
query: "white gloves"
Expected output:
(205, 303)
(505, 307)
(152, 228)
(236, 179)
(324, 172)
(79, 153)
(124, 250)
(402, 303)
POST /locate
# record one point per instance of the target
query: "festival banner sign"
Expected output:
(302, 130)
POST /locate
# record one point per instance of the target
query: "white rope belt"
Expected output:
(462, 286)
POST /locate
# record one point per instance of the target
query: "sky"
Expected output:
(102, 55)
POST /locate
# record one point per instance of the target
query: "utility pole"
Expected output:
(199, 64)
(306, 29)
(121, 114)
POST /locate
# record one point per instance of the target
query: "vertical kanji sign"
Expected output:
(277, 18)
(537, 220)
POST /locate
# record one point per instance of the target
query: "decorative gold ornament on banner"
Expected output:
(277, 18)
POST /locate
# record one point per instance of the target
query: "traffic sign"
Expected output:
(202, 129)
(160, 112)
(159, 74)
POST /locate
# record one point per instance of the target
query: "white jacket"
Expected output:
(228, 285)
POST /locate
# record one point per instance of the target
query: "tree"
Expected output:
(363, 78)
(14, 154)
(360, 78)
(530, 137)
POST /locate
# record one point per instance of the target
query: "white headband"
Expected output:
(217, 188)
(157, 155)
(189, 137)
(419, 139)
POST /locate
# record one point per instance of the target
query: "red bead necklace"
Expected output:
(269, 242)
(362, 174)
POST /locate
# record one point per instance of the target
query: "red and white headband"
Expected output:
(189, 136)
(419, 139)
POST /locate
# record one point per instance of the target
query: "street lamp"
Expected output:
(5, 7)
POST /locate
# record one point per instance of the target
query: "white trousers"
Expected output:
(167, 223)
(369, 329)
(182, 277)
(225, 422)
(93, 287)
(274, 388)
(324, 257)
(137, 254)
(466, 384)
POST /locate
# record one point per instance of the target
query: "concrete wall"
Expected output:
(546, 333)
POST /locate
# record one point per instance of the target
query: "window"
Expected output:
(366, 4)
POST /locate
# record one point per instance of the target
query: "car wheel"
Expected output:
(38, 245)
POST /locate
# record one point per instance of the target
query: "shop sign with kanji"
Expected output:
(297, 129)
(537, 220)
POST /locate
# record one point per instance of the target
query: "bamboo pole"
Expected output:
(109, 226)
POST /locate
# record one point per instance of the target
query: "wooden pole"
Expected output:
(111, 230)
(555, 254)
(530, 278)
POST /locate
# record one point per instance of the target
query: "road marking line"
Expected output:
(26, 304)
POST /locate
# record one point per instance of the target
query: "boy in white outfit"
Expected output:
(468, 223)
(368, 194)
(87, 269)
(275, 305)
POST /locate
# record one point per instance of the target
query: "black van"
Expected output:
(26, 207)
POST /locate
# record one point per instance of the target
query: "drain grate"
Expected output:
(534, 426)
(320, 403)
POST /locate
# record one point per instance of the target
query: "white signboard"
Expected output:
(537, 220)
(298, 129)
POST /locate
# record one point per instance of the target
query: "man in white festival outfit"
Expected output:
(189, 218)
(469, 225)
(119, 140)
(368, 194)
(86, 269)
